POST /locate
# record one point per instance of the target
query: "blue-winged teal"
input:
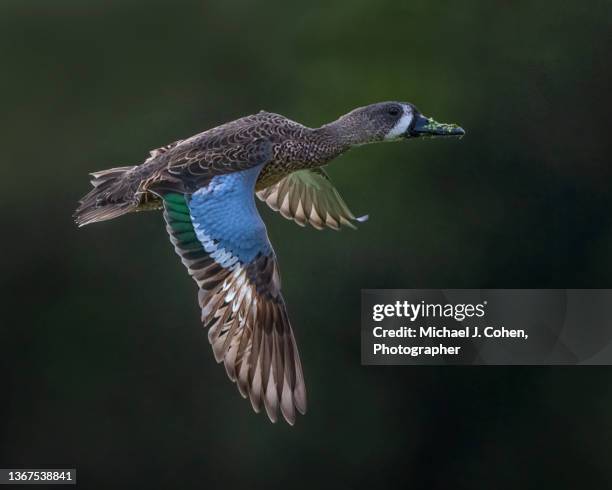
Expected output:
(205, 185)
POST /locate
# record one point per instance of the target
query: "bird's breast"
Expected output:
(290, 156)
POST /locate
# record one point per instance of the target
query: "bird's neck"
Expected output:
(343, 133)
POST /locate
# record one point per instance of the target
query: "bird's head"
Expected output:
(391, 121)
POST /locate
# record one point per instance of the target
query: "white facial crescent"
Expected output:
(402, 125)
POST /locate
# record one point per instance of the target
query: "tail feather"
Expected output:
(113, 195)
(102, 176)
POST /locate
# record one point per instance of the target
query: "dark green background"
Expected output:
(104, 363)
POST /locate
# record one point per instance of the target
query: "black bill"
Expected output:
(425, 126)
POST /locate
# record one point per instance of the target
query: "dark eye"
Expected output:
(394, 111)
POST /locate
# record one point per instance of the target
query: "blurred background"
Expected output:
(105, 366)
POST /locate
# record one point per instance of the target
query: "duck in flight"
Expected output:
(205, 186)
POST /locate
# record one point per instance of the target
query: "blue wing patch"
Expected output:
(226, 221)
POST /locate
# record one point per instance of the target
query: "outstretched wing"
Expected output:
(309, 196)
(222, 241)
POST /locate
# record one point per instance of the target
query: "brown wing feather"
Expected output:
(309, 197)
(249, 329)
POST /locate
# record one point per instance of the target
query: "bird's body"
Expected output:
(285, 145)
(206, 183)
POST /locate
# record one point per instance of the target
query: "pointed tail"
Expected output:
(113, 195)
